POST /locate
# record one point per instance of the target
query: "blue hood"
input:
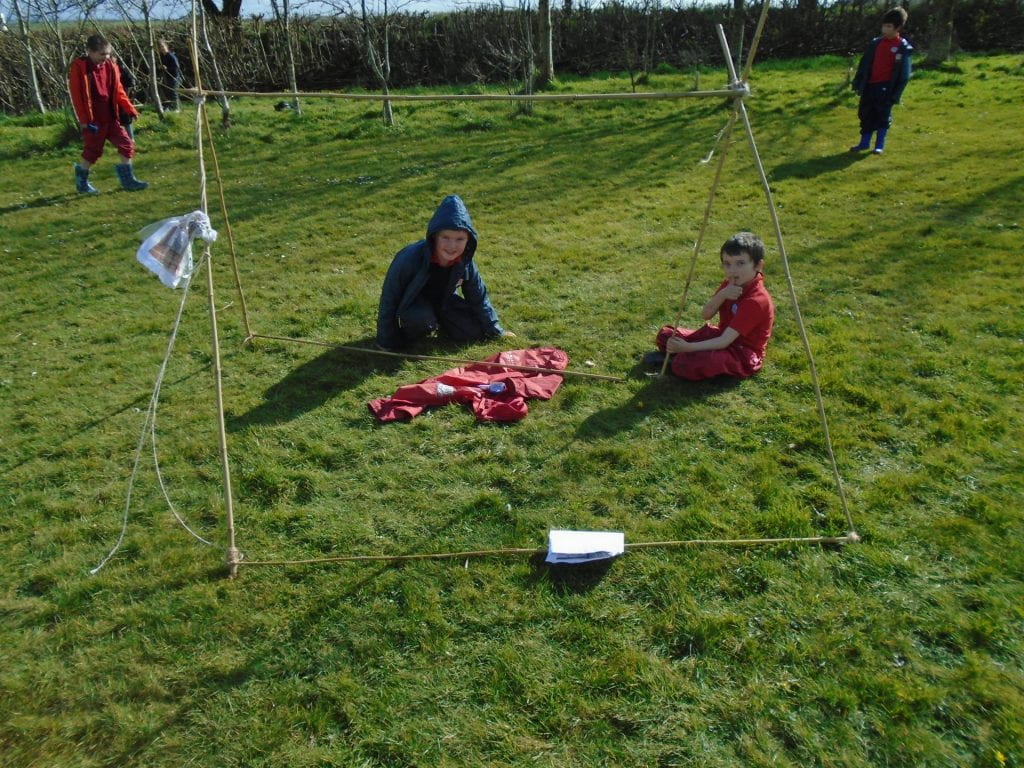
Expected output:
(453, 214)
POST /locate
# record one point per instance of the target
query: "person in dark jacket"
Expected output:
(171, 72)
(420, 292)
(128, 83)
(881, 77)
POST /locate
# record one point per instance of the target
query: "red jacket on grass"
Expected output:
(493, 393)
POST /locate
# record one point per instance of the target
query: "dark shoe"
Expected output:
(877, 151)
(82, 184)
(654, 358)
(127, 177)
(860, 148)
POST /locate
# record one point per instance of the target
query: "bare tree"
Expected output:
(229, 9)
(283, 17)
(547, 61)
(379, 59)
(740, 13)
(30, 62)
(941, 31)
(512, 52)
(225, 110)
(148, 51)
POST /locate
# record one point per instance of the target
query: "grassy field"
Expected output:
(902, 650)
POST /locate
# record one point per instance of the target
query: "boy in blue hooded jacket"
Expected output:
(882, 75)
(420, 290)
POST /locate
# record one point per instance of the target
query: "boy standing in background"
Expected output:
(881, 77)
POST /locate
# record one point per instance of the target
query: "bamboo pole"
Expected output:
(849, 538)
(234, 555)
(652, 96)
(460, 361)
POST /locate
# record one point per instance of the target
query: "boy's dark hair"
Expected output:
(97, 43)
(744, 242)
(895, 16)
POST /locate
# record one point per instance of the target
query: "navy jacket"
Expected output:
(900, 70)
(407, 275)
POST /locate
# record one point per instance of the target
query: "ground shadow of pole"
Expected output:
(816, 166)
(661, 393)
(314, 383)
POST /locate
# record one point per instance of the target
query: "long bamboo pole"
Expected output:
(668, 95)
(234, 555)
(458, 360)
(465, 555)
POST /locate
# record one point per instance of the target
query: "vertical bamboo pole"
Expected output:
(234, 555)
(711, 195)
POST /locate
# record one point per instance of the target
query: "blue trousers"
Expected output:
(875, 110)
(454, 318)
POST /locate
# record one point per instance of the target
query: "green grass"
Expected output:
(903, 650)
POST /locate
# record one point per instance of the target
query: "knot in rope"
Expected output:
(741, 88)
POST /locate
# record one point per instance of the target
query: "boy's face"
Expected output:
(98, 57)
(890, 31)
(739, 269)
(449, 245)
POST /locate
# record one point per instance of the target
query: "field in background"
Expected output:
(904, 649)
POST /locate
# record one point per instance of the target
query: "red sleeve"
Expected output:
(79, 88)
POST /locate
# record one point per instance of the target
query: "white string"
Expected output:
(159, 474)
(714, 146)
(149, 423)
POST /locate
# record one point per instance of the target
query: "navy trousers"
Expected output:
(875, 110)
(455, 318)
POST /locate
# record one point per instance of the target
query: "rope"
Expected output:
(648, 96)
(156, 461)
(848, 538)
(458, 360)
(147, 425)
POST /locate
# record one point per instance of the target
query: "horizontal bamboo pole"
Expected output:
(460, 361)
(850, 538)
(720, 93)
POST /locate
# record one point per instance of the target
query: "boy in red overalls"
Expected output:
(98, 98)
(735, 347)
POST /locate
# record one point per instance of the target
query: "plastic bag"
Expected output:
(166, 248)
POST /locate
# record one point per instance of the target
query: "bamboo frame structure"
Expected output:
(737, 90)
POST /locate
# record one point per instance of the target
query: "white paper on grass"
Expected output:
(584, 546)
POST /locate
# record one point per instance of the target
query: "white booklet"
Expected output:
(584, 546)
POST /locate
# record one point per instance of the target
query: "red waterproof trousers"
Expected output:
(734, 360)
(473, 386)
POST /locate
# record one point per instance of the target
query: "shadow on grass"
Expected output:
(816, 166)
(39, 202)
(662, 393)
(575, 579)
(314, 383)
(139, 404)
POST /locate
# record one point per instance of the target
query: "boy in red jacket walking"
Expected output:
(98, 98)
